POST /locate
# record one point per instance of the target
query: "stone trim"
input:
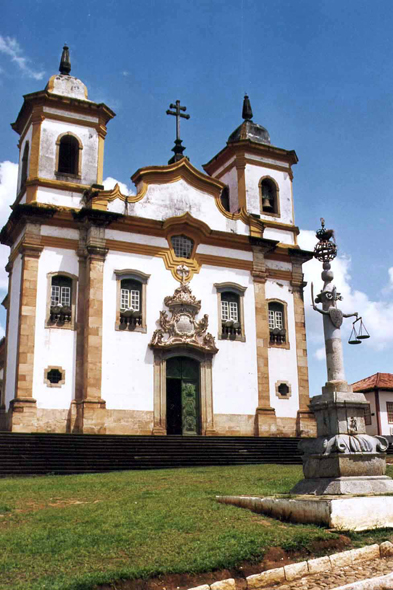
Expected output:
(46, 380)
(286, 345)
(238, 290)
(278, 394)
(302, 569)
(143, 279)
(206, 387)
(71, 325)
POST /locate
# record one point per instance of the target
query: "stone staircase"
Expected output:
(35, 454)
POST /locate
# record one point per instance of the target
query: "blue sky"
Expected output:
(319, 75)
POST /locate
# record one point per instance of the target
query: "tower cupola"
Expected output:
(61, 144)
(249, 130)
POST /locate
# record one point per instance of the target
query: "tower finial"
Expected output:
(65, 64)
(247, 110)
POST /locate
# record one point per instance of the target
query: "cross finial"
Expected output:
(183, 272)
(178, 149)
(65, 63)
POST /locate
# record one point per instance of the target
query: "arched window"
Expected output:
(277, 323)
(61, 300)
(130, 303)
(231, 310)
(269, 196)
(25, 164)
(182, 246)
(68, 159)
(131, 300)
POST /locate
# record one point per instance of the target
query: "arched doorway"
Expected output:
(183, 414)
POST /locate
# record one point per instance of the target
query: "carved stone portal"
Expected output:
(183, 328)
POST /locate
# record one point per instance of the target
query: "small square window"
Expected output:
(182, 246)
(389, 409)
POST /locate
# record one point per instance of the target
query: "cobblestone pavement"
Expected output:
(341, 576)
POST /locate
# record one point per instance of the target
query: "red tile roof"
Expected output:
(377, 381)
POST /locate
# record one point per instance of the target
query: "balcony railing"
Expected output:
(60, 314)
(130, 322)
(278, 336)
(230, 331)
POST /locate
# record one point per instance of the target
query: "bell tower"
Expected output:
(61, 146)
(258, 175)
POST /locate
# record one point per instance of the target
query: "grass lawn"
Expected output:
(72, 532)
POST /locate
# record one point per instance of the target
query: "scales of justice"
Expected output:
(343, 459)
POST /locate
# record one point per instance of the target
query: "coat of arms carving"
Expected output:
(182, 328)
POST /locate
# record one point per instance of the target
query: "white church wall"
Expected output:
(50, 131)
(278, 264)
(127, 374)
(235, 375)
(12, 341)
(27, 138)
(225, 252)
(53, 346)
(283, 236)
(230, 178)
(253, 176)
(283, 362)
(163, 201)
(62, 198)
(60, 232)
(122, 236)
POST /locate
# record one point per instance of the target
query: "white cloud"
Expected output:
(109, 183)
(10, 46)
(377, 314)
(320, 354)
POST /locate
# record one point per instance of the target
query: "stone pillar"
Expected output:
(266, 421)
(88, 415)
(305, 421)
(23, 408)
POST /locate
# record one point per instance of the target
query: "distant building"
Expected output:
(378, 390)
(177, 310)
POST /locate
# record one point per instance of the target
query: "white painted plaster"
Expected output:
(60, 232)
(53, 346)
(227, 163)
(122, 236)
(68, 86)
(18, 239)
(50, 131)
(12, 342)
(230, 178)
(62, 198)
(253, 174)
(267, 160)
(27, 137)
(283, 362)
(127, 375)
(384, 397)
(71, 115)
(226, 252)
(164, 201)
(283, 236)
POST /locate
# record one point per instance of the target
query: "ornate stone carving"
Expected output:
(345, 443)
(182, 328)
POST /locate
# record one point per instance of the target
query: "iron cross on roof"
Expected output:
(178, 149)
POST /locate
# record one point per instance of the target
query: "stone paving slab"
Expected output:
(367, 568)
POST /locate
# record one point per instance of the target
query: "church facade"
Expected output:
(177, 310)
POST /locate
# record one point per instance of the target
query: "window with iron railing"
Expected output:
(277, 323)
(61, 300)
(130, 303)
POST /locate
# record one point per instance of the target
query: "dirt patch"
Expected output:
(274, 557)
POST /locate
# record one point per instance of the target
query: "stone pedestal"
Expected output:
(266, 422)
(23, 415)
(343, 459)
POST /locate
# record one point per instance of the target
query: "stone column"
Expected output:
(23, 408)
(266, 421)
(3, 415)
(89, 413)
(305, 421)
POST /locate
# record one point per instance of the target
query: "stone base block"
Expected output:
(344, 465)
(266, 422)
(23, 415)
(344, 514)
(345, 485)
(306, 424)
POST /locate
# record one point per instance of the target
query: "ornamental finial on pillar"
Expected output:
(65, 64)
(247, 110)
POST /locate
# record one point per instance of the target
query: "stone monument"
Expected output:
(343, 459)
